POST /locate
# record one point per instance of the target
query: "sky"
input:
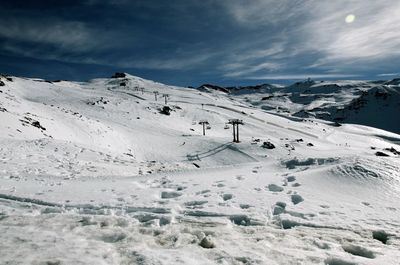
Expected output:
(190, 42)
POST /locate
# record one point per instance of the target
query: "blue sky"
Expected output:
(189, 42)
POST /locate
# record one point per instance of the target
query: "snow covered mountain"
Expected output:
(118, 171)
(371, 103)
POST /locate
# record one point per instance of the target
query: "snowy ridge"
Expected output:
(371, 103)
(101, 172)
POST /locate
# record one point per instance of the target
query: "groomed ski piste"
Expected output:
(98, 173)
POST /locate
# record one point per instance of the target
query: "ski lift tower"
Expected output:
(155, 94)
(235, 125)
(166, 96)
(204, 123)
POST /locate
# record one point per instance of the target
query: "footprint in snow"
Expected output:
(239, 177)
(195, 204)
(290, 178)
(358, 251)
(170, 194)
(227, 196)
(203, 192)
(296, 199)
(279, 208)
(245, 206)
(274, 188)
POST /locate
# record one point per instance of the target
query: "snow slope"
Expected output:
(95, 173)
(371, 103)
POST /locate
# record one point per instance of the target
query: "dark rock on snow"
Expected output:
(118, 75)
(379, 153)
(268, 145)
(392, 150)
(38, 125)
(165, 110)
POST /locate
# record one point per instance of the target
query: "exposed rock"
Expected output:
(336, 124)
(166, 110)
(392, 150)
(291, 147)
(213, 87)
(379, 153)
(380, 235)
(267, 97)
(37, 125)
(268, 145)
(118, 75)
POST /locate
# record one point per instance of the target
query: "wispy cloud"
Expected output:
(179, 62)
(388, 74)
(375, 33)
(243, 70)
(71, 35)
(261, 12)
(317, 36)
(300, 76)
(62, 40)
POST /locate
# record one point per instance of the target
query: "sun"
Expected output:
(350, 18)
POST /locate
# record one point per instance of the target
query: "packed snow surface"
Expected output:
(101, 172)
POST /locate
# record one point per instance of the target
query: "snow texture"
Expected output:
(93, 173)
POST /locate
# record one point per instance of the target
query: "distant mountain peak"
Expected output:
(208, 87)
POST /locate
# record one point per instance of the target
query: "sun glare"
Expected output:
(350, 18)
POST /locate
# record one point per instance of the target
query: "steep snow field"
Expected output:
(98, 173)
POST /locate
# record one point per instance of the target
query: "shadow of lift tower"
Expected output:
(235, 125)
